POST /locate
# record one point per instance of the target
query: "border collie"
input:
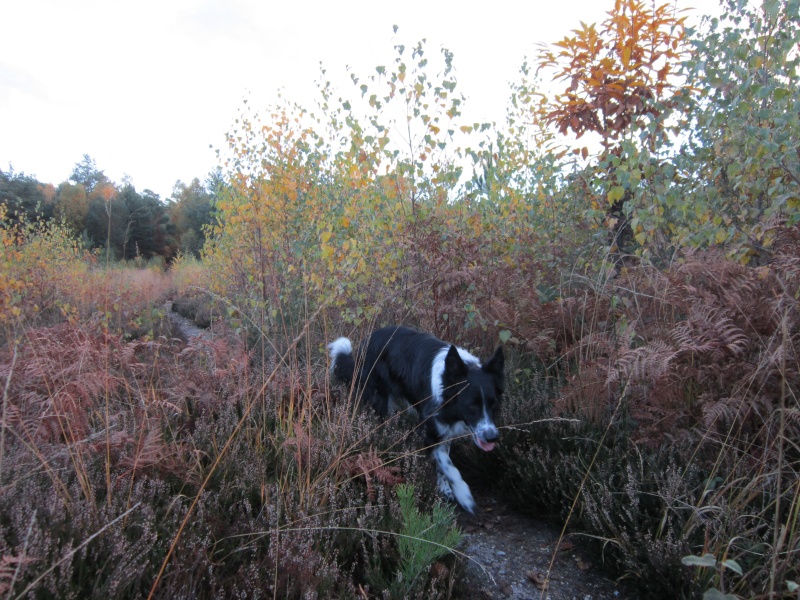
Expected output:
(453, 393)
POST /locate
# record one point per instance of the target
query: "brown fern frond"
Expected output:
(650, 363)
(371, 466)
(117, 441)
(708, 332)
(586, 393)
(593, 345)
(720, 413)
(9, 566)
(150, 451)
(304, 444)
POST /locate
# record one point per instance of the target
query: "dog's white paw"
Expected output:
(444, 487)
(463, 496)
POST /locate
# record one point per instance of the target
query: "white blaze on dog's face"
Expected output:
(471, 394)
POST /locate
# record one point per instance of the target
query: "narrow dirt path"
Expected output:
(186, 328)
(512, 552)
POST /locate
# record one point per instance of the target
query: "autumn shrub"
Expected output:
(187, 273)
(651, 400)
(110, 446)
(47, 279)
(42, 272)
(682, 382)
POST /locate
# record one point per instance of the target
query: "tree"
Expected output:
(88, 175)
(139, 224)
(72, 205)
(24, 197)
(619, 77)
(619, 74)
(742, 165)
(191, 210)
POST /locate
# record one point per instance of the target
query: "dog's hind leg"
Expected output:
(451, 484)
(378, 389)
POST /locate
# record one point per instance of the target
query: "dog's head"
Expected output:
(472, 393)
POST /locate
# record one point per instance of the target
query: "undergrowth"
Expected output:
(652, 409)
(683, 385)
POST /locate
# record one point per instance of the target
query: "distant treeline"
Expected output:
(105, 214)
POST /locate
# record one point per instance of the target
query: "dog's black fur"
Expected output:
(453, 393)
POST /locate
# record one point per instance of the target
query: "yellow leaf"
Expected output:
(326, 235)
(615, 193)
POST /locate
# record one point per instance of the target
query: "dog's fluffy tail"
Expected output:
(343, 365)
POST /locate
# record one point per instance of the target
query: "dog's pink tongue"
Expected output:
(487, 446)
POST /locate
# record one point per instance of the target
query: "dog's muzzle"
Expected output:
(485, 437)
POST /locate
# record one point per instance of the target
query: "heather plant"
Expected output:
(160, 465)
(682, 382)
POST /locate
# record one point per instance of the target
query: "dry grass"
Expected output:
(686, 384)
(135, 464)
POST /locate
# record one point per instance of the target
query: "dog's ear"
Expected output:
(495, 367)
(454, 365)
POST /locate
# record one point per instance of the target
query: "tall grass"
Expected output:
(133, 463)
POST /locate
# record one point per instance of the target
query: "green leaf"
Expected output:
(504, 335)
(732, 565)
(772, 8)
(715, 594)
(707, 560)
(792, 586)
(781, 93)
(615, 193)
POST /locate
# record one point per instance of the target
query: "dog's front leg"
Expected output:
(449, 478)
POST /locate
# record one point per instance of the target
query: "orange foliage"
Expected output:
(616, 74)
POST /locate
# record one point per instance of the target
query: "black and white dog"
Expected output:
(453, 393)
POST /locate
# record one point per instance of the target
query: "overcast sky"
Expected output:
(144, 87)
